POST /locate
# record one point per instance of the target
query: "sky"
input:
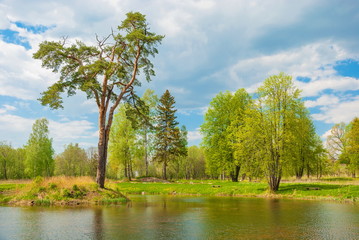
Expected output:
(209, 46)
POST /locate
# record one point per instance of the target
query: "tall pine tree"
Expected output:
(168, 143)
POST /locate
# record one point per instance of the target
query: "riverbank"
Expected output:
(70, 191)
(84, 191)
(343, 190)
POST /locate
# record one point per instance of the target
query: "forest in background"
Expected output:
(269, 135)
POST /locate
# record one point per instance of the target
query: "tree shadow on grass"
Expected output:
(307, 187)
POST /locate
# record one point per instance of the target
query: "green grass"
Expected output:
(77, 191)
(298, 190)
(9, 186)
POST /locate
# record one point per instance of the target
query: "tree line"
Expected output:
(267, 135)
(343, 146)
(271, 136)
(37, 158)
(145, 141)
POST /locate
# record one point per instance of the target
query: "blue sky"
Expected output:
(210, 46)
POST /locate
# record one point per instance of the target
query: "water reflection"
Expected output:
(167, 217)
(98, 224)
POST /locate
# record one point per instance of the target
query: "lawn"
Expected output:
(297, 190)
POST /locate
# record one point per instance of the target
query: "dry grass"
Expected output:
(60, 190)
(16, 181)
(68, 182)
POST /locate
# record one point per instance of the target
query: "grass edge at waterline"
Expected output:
(60, 190)
(318, 190)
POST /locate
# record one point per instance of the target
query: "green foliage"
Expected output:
(222, 120)
(169, 143)
(11, 162)
(122, 145)
(39, 151)
(191, 166)
(352, 147)
(106, 72)
(278, 100)
(142, 115)
(52, 186)
(73, 162)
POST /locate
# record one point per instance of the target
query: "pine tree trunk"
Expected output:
(101, 168)
(102, 151)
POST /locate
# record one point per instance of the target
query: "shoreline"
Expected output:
(83, 191)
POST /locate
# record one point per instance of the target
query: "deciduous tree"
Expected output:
(222, 119)
(72, 161)
(352, 147)
(122, 144)
(277, 102)
(39, 152)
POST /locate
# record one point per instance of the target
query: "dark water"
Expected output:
(165, 217)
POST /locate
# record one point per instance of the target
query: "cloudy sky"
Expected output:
(210, 46)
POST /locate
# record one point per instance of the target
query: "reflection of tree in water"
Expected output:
(98, 223)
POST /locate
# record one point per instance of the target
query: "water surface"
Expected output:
(173, 217)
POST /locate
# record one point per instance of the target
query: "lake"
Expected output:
(178, 217)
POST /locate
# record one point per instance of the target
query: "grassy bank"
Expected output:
(296, 190)
(59, 191)
(84, 191)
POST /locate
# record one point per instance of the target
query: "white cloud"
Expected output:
(20, 75)
(71, 129)
(194, 135)
(341, 112)
(326, 135)
(7, 108)
(306, 61)
(190, 111)
(323, 100)
(17, 129)
(210, 46)
(334, 82)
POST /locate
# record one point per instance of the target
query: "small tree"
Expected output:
(39, 151)
(352, 148)
(6, 159)
(72, 161)
(168, 143)
(122, 143)
(143, 117)
(106, 72)
(336, 141)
